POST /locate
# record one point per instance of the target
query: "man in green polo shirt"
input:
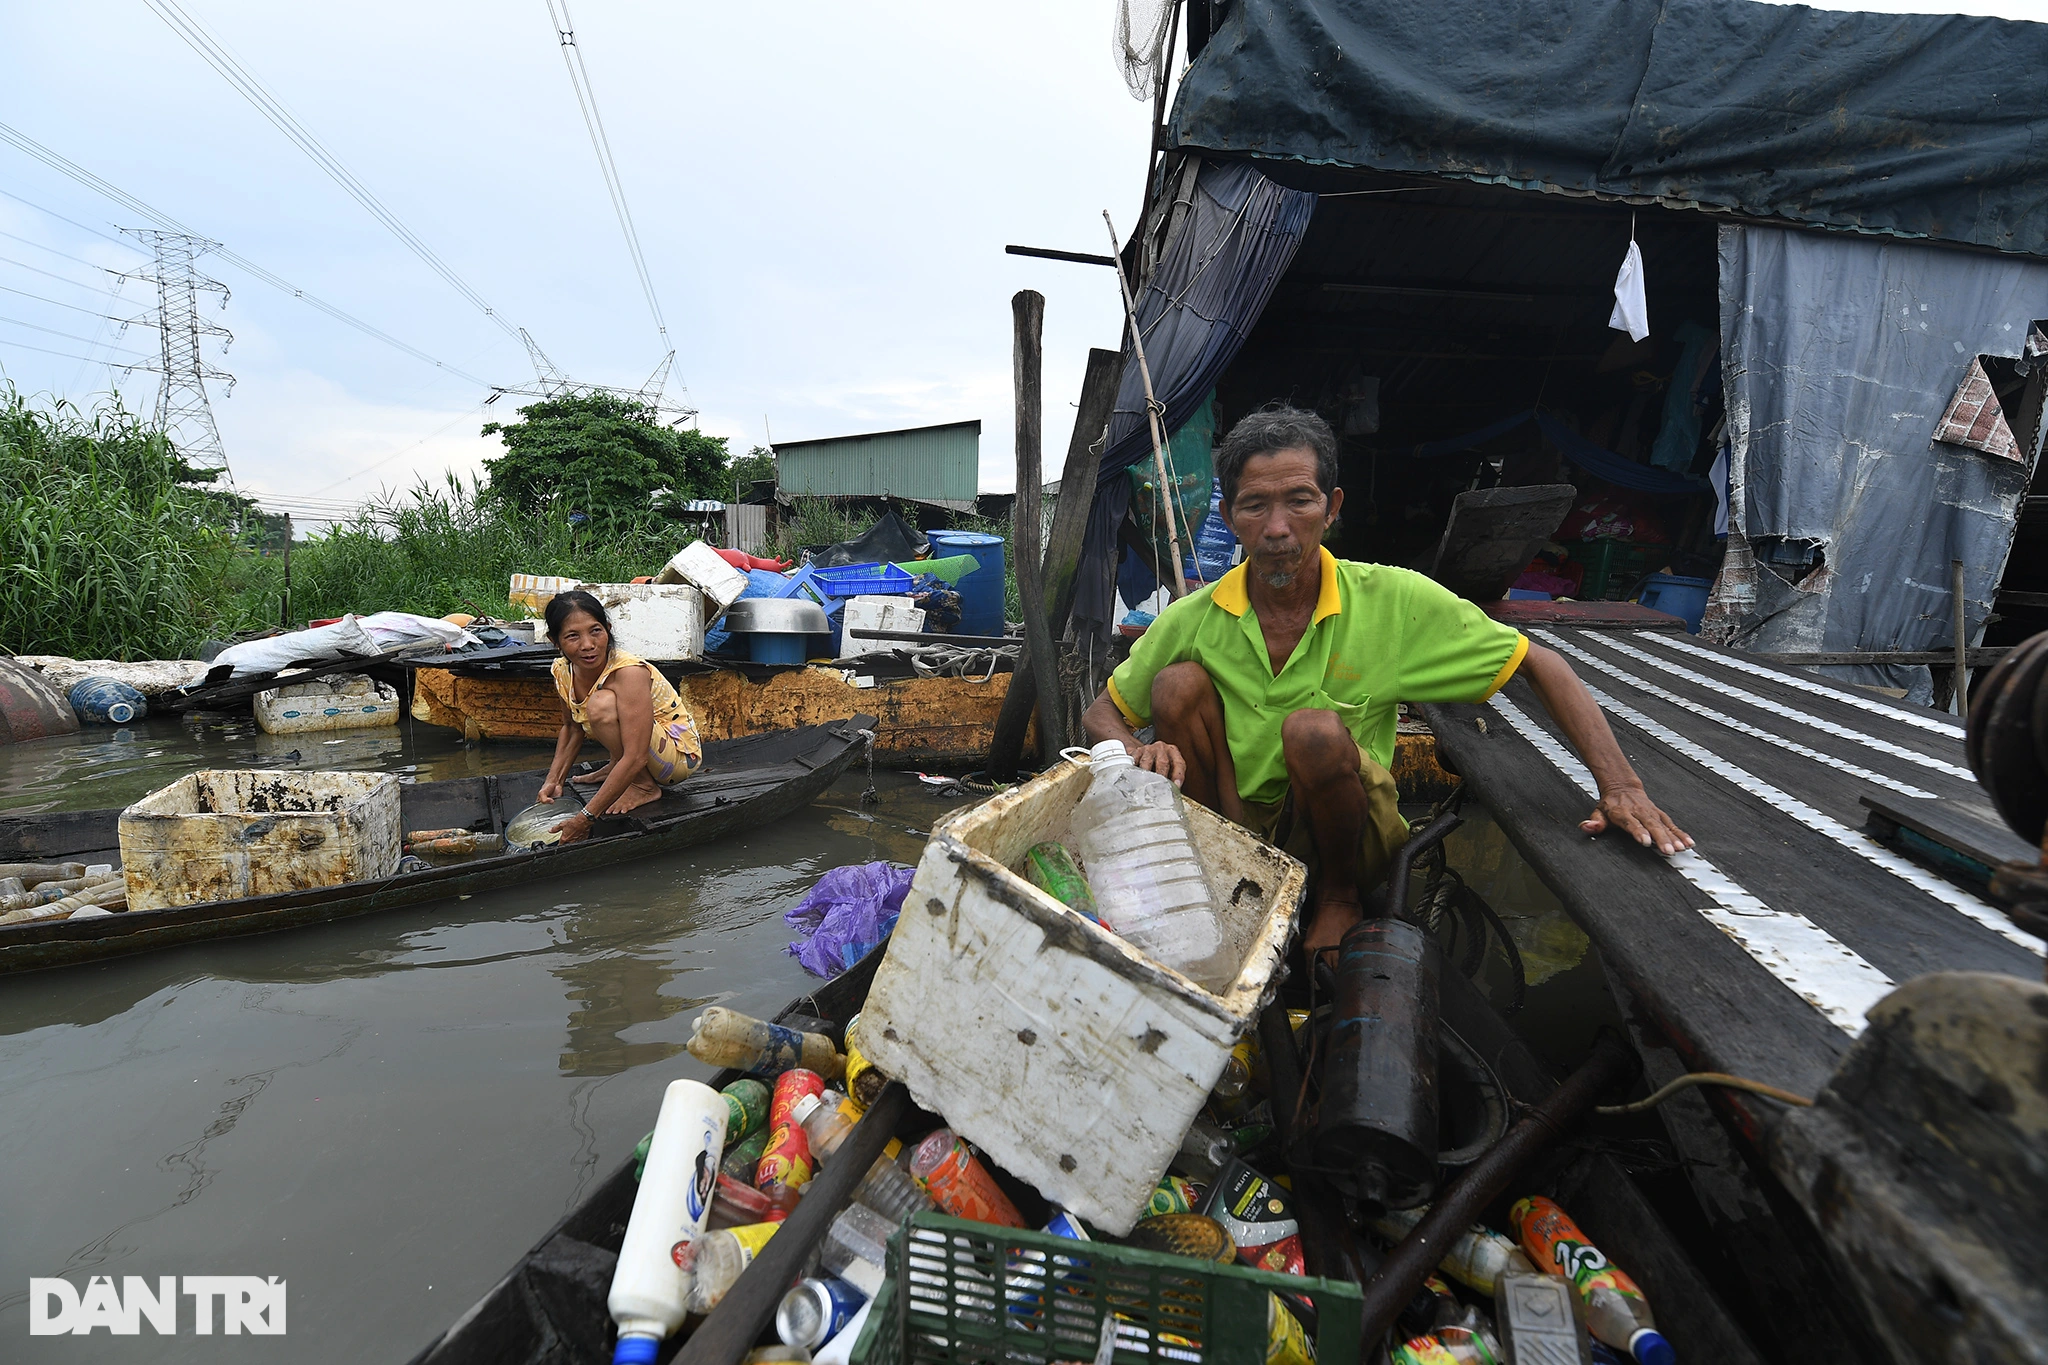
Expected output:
(1271, 692)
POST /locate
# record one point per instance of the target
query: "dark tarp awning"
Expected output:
(1918, 125)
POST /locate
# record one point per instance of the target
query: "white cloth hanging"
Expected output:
(1631, 309)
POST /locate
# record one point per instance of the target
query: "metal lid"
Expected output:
(776, 616)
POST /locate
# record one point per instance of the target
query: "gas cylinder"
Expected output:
(1378, 1125)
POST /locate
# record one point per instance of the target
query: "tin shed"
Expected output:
(940, 465)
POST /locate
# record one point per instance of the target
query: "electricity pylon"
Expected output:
(182, 411)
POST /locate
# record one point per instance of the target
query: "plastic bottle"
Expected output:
(1237, 1069)
(737, 1203)
(743, 1161)
(815, 1311)
(722, 1037)
(959, 1183)
(648, 1297)
(746, 1102)
(714, 1261)
(786, 1161)
(1173, 1194)
(891, 1191)
(1616, 1311)
(826, 1121)
(1477, 1259)
(1142, 867)
(856, 1247)
(1050, 868)
(863, 1083)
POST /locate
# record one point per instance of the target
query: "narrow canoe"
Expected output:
(744, 784)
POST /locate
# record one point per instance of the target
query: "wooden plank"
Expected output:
(1063, 543)
(1902, 930)
(54, 836)
(1726, 1012)
(1028, 309)
(1970, 830)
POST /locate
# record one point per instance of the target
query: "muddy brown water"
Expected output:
(387, 1111)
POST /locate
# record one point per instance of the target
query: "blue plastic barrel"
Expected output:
(1685, 598)
(981, 591)
(107, 701)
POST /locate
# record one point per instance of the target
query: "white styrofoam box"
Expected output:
(1072, 1059)
(698, 563)
(654, 620)
(332, 703)
(224, 835)
(877, 613)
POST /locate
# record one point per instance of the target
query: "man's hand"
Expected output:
(550, 790)
(1159, 758)
(574, 829)
(1630, 810)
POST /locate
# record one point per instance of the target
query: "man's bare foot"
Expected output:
(1328, 922)
(595, 779)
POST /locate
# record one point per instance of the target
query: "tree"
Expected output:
(758, 463)
(602, 453)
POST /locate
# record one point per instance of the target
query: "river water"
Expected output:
(385, 1112)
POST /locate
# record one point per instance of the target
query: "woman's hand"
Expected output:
(550, 790)
(574, 829)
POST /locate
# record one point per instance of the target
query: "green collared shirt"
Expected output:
(1380, 635)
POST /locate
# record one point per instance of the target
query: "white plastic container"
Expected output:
(332, 703)
(534, 591)
(1132, 835)
(649, 1290)
(698, 563)
(1062, 1051)
(654, 620)
(877, 613)
(224, 835)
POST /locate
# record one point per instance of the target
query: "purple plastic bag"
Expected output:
(846, 914)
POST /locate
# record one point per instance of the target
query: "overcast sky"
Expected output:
(823, 193)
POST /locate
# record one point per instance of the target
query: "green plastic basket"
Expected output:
(967, 1293)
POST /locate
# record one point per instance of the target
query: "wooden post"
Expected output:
(1062, 551)
(1962, 642)
(284, 605)
(1027, 310)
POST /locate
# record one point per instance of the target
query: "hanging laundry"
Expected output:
(1631, 309)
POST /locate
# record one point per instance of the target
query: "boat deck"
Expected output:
(1759, 951)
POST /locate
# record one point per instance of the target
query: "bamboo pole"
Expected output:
(1167, 492)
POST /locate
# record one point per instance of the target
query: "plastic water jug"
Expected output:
(107, 701)
(1148, 883)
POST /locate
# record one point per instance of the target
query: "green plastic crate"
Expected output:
(1612, 566)
(966, 1293)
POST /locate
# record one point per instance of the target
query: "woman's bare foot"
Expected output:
(595, 779)
(639, 794)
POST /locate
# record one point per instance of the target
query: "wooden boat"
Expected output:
(920, 722)
(744, 784)
(550, 1308)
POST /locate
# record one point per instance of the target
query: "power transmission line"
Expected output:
(82, 227)
(59, 303)
(215, 55)
(61, 279)
(61, 355)
(30, 241)
(68, 336)
(593, 123)
(120, 196)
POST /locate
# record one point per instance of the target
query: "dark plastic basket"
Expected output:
(966, 1293)
(863, 580)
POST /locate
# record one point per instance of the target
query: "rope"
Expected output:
(1693, 1078)
(955, 661)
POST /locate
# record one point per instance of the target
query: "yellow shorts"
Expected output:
(1288, 830)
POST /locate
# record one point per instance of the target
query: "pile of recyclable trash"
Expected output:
(722, 1170)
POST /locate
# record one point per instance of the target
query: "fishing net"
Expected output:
(1139, 42)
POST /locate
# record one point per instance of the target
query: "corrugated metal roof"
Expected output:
(939, 464)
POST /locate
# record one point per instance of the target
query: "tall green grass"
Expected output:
(450, 547)
(112, 547)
